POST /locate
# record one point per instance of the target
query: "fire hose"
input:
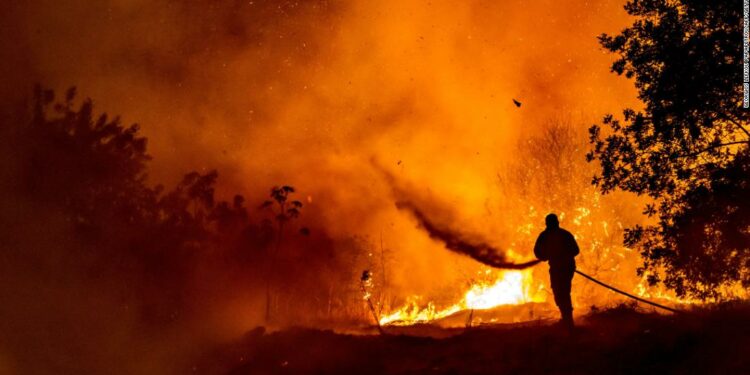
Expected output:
(628, 294)
(487, 255)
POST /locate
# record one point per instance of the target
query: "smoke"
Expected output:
(303, 93)
(460, 243)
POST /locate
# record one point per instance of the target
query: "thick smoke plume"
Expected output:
(461, 244)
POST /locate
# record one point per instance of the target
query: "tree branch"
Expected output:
(741, 128)
(733, 121)
(713, 147)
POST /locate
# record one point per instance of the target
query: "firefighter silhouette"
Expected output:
(558, 247)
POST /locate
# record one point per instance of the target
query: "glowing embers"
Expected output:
(509, 288)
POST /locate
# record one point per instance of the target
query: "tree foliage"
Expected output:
(687, 148)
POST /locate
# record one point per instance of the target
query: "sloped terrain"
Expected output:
(616, 341)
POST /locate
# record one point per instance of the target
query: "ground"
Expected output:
(621, 340)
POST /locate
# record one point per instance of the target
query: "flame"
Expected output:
(601, 252)
(508, 288)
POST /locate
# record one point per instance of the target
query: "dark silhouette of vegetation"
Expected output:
(169, 251)
(688, 148)
(92, 171)
(284, 212)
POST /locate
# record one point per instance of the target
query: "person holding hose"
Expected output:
(558, 247)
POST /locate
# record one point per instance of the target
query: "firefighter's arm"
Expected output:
(574, 245)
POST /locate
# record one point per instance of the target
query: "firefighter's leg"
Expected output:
(561, 286)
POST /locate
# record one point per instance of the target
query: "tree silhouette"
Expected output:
(91, 171)
(92, 166)
(688, 148)
(283, 212)
(168, 253)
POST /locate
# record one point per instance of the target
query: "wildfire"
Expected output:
(508, 288)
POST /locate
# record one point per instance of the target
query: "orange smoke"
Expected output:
(308, 93)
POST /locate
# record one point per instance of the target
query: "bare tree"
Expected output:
(283, 210)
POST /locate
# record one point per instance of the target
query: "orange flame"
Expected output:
(510, 287)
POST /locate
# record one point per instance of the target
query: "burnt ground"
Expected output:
(616, 341)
